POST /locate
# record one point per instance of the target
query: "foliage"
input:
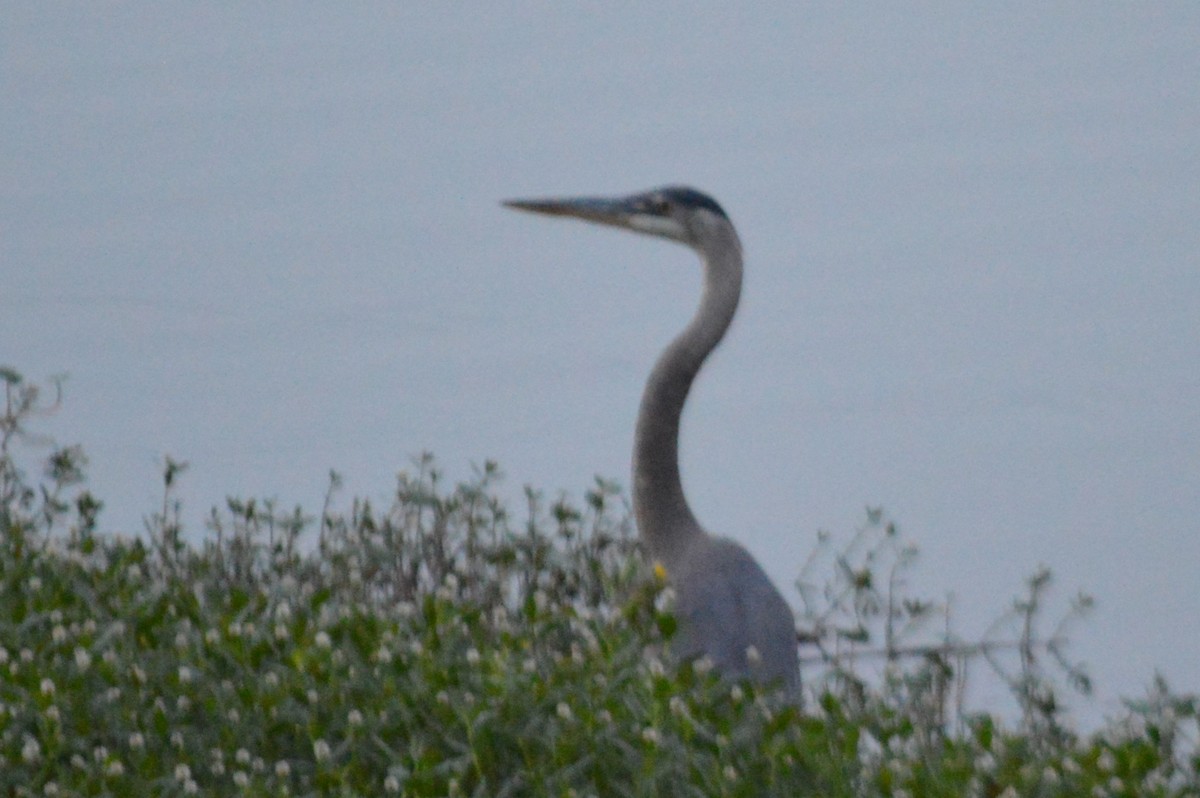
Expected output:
(439, 647)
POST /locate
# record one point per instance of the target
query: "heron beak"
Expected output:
(615, 212)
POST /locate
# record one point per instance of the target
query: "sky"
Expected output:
(267, 240)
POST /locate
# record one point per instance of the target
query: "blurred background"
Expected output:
(268, 241)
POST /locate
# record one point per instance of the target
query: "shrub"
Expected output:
(439, 647)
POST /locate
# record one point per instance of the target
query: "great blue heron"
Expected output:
(726, 605)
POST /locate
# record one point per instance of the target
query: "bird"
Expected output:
(727, 608)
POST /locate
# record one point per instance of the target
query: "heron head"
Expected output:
(676, 212)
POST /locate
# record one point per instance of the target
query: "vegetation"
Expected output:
(440, 646)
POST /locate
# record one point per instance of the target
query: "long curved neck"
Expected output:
(665, 521)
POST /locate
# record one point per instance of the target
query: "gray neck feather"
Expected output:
(665, 521)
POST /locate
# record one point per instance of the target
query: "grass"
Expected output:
(442, 646)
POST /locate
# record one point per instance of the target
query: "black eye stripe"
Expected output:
(659, 206)
(688, 198)
(670, 199)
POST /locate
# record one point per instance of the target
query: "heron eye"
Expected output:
(660, 206)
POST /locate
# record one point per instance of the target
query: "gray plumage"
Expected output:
(727, 607)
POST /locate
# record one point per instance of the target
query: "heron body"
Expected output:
(727, 607)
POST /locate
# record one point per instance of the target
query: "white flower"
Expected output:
(83, 660)
(651, 735)
(271, 679)
(736, 694)
(31, 750)
(391, 784)
(473, 656)
(136, 741)
(752, 655)
(52, 713)
(563, 710)
(282, 769)
(383, 655)
(321, 750)
(730, 773)
(190, 787)
(242, 756)
(281, 631)
(115, 768)
(354, 718)
(47, 687)
(177, 739)
(50, 790)
(322, 639)
(185, 674)
(241, 779)
(312, 696)
(182, 772)
(58, 633)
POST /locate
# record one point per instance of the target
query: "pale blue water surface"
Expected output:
(267, 241)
